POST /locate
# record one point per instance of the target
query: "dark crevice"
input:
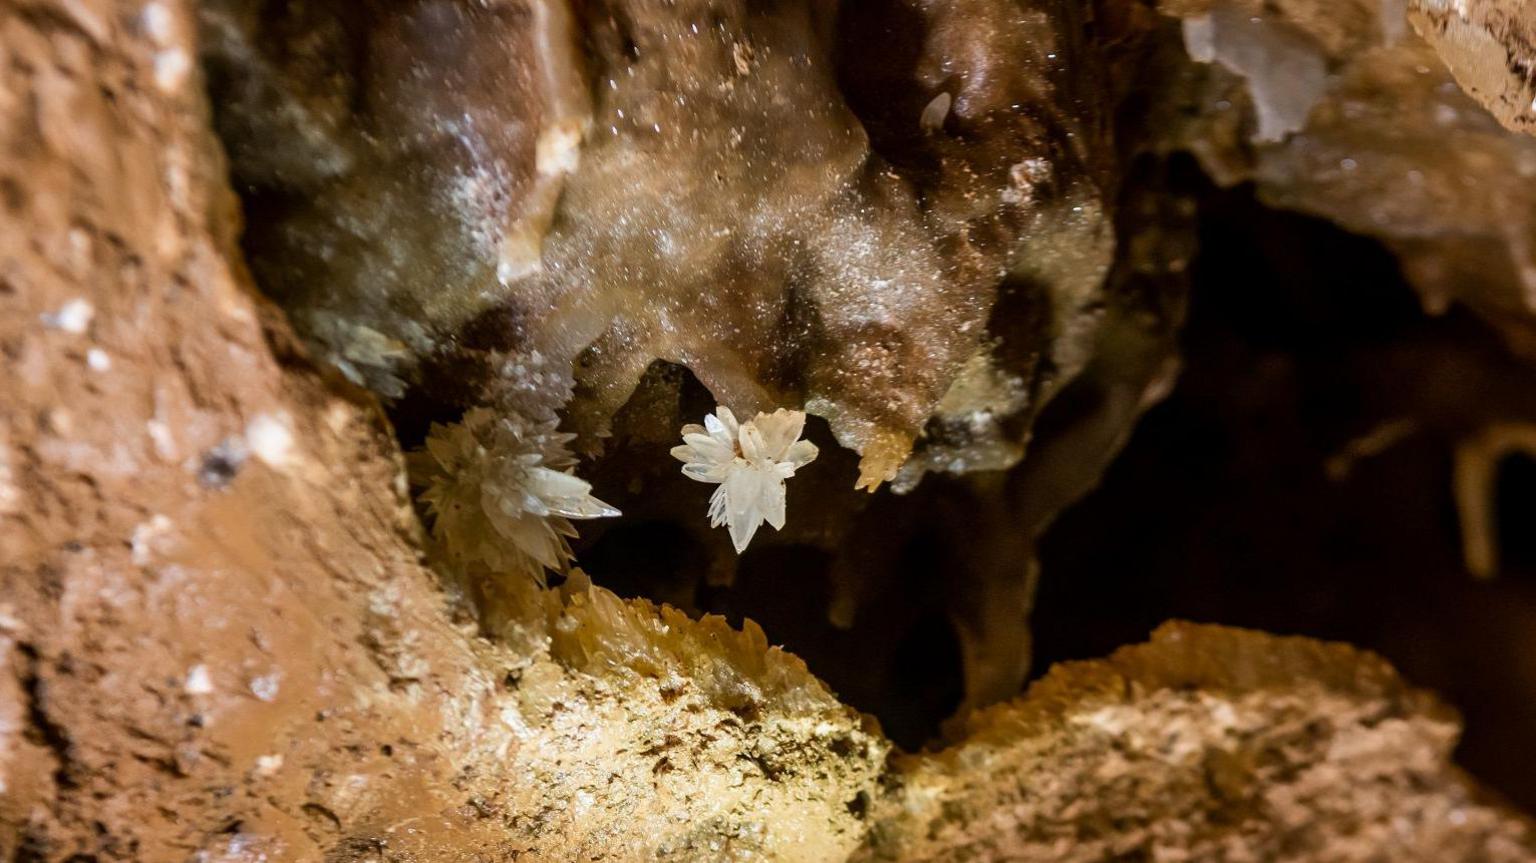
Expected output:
(1228, 504)
(42, 729)
(1516, 506)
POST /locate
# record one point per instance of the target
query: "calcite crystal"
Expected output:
(500, 495)
(748, 462)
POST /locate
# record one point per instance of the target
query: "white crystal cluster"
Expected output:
(501, 492)
(749, 462)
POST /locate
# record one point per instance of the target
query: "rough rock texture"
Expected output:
(1390, 147)
(1204, 744)
(896, 214)
(383, 136)
(1490, 46)
(1379, 138)
(219, 640)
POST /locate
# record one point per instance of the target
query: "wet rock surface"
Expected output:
(740, 195)
(900, 216)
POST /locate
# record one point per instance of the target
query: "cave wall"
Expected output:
(222, 640)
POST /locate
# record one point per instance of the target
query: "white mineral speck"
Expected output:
(164, 441)
(10, 496)
(98, 360)
(270, 438)
(265, 687)
(171, 68)
(146, 537)
(267, 765)
(558, 149)
(198, 681)
(156, 21)
(513, 719)
(73, 317)
(10, 624)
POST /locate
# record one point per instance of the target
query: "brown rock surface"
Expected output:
(1490, 46)
(898, 215)
(1376, 137)
(220, 640)
(1205, 744)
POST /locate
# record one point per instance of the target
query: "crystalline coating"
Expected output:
(1206, 743)
(769, 196)
(377, 153)
(739, 196)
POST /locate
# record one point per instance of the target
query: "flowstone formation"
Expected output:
(738, 196)
(225, 634)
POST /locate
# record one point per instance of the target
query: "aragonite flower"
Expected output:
(749, 462)
(501, 493)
